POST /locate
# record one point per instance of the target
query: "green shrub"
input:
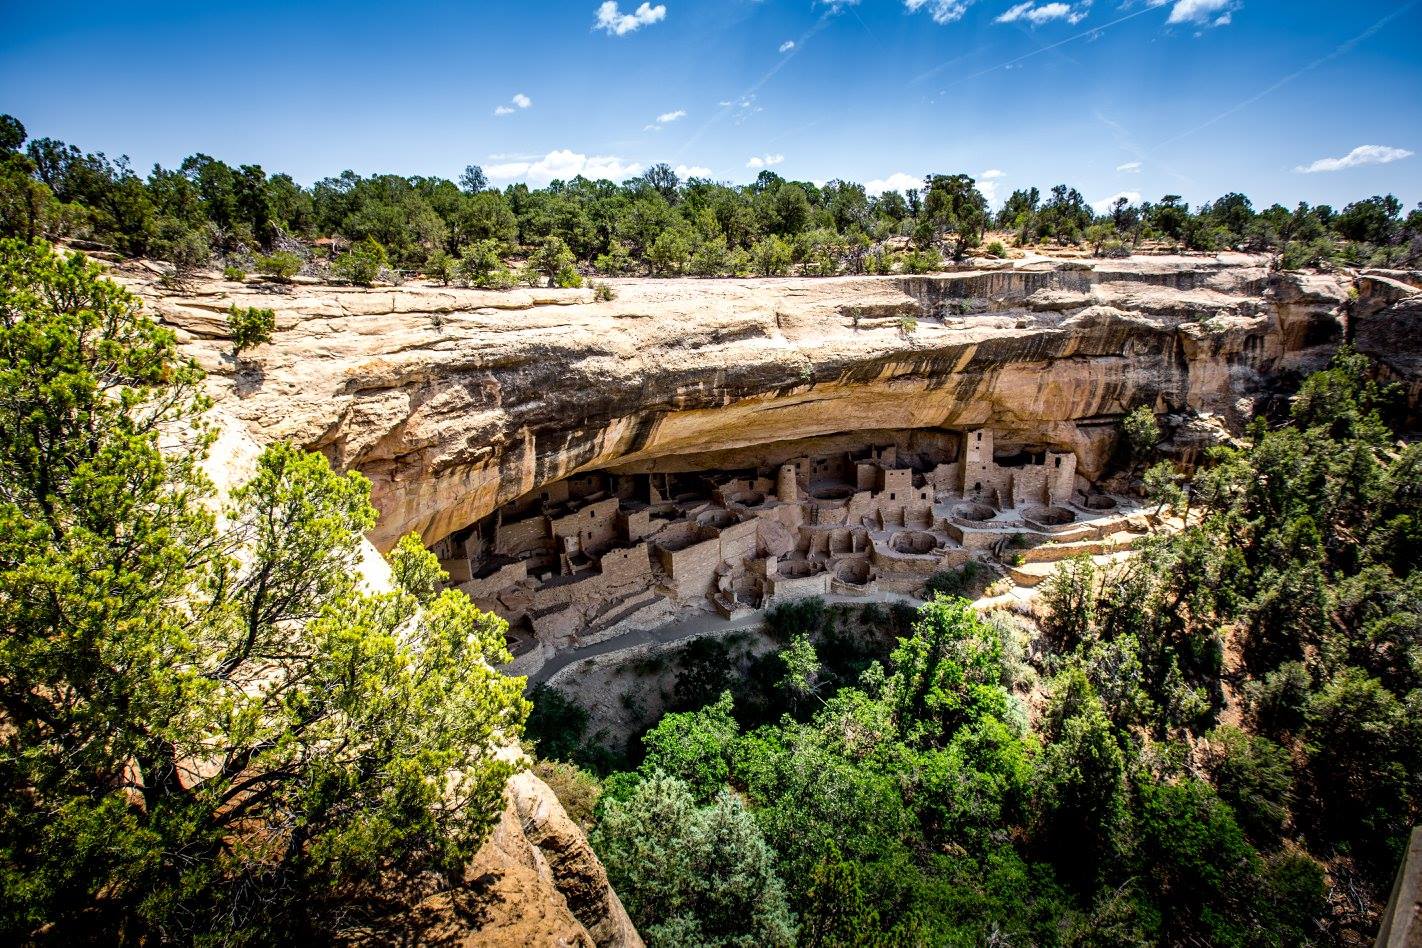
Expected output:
(234, 273)
(908, 325)
(616, 262)
(554, 260)
(771, 256)
(480, 262)
(568, 279)
(250, 326)
(440, 266)
(996, 249)
(1301, 255)
(922, 261)
(602, 293)
(955, 582)
(362, 264)
(575, 788)
(184, 247)
(282, 265)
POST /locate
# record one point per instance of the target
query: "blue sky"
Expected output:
(1194, 97)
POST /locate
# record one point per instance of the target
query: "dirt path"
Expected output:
(680, 629)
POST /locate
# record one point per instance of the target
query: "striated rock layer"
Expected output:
(455, 401)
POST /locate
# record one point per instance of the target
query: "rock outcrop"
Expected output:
(535, 882)
(455, 401)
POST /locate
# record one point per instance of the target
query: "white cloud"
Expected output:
(786, 46)
(520, 101)
(1130, 167)
(837, 5)
(692, 171)
(767, 161)
(1104, 205)
(1037, 14)
(562, 165)
(987, 183)
(666, 117)
(1199, 12)
(898, 181)
(1362, 155)
(611, 18)
(942, 11)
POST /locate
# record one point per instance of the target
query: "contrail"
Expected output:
(1342, 50)
(1036, 52)
(779, 65)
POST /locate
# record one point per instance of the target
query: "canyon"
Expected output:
(586, 468)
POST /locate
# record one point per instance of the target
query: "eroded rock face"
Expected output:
(535, 882)
(455, 401)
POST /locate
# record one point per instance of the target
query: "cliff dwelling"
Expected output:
(589, 557)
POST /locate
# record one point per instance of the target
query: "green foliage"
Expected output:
(210, 730)
(482, 266)
(692, 875)
(553, 259)
(282, 265)
(922, 261)
(1142, 433)
(603, 293)
(362, 264)
(670, 251)
(954, 208)
(948, 674)
(1194, 856)
(954, 582)
(802, 667)
(771, 257)
(694, 747)
(186, 248)
(1362, 744)
(1255, 777)
(557, 729)
(234, 273)
(441, 266)
(1080, 792)
(1162, 486)
(617, 261)
(250, 326)
(1098, 235)
(575, 788)
(655, 221)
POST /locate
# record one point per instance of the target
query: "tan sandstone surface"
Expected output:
(454, 401)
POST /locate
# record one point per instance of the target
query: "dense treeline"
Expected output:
(213, 732)
(376, 227)
(1217, 741)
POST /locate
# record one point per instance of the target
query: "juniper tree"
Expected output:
(210, 724)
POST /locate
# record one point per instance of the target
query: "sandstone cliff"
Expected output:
(454, 401)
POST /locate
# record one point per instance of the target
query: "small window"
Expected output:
(978, 486)
(592, 514)
(980, 436)
(891, 496)
(1059, 462)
